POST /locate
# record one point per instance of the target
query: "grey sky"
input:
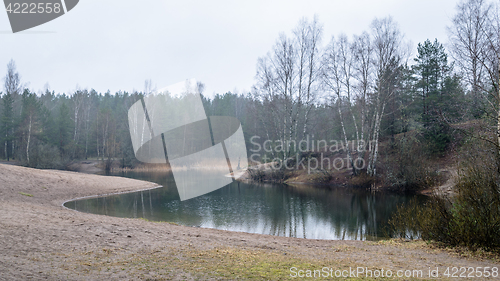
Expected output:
(118, 44)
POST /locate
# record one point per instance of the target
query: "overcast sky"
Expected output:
(118, 44)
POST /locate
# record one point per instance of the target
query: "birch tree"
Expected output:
(308, 36)
(12, 86)
(288, 82)
(362, 50)
(29, 121)
(78, 99)
(475, 37)
(468, 36)
(338, 69)
(389, 53)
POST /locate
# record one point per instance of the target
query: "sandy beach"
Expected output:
(42, 240)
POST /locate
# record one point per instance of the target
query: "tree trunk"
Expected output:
(372, 159)
(75, 141)
(371, 148)
(13, 146)
(348, 151)
(87, 133)
(498, 116)
(28, 144)
(6, 150)
(97, 135)
(375, 152)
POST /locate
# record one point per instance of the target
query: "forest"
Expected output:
(410, 108)
(364, 88)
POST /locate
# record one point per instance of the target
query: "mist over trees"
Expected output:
(362, 89)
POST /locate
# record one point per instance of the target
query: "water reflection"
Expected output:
(292, 211)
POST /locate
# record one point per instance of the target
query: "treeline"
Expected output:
(369, 88)
(364, 88)
(46, 130)
(471, 216)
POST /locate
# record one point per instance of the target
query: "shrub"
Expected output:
(268, 173)
(408, 166)
(416, 220)
(476, 210)
(45, 156)
(320, 176)
(471, 218)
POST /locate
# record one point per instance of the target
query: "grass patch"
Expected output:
(224, 263)
(250, 264)
(26, 194)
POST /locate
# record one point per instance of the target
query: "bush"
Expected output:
(320, 176)
(476, 210)
(414, 220)
(45, 156)
(408, 166)
(267, 173)
(471, 218)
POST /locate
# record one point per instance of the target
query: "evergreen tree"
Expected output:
(64, 128)
(437, 89)
(29, 125)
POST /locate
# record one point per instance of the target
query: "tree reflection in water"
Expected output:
(293, 211)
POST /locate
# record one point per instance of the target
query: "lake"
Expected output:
(300, 211)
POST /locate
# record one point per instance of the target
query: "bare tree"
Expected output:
(276, 76)
(469, 44)
(494, 72)
(200, 88)
(308, 36)
(78, 102)
(338, 77)
(29, 120)
(12, 81)
(363, 74)
(12, 86)
(288, 81)
(87, 106)
(389, 54)
(475, 38)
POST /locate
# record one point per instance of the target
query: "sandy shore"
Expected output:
(40, 239)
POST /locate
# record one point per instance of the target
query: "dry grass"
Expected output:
(225, 263)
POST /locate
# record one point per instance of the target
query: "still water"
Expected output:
(293, 211)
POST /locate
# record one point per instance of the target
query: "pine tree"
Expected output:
(437, 89)
(29, 124)
(64, 128)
